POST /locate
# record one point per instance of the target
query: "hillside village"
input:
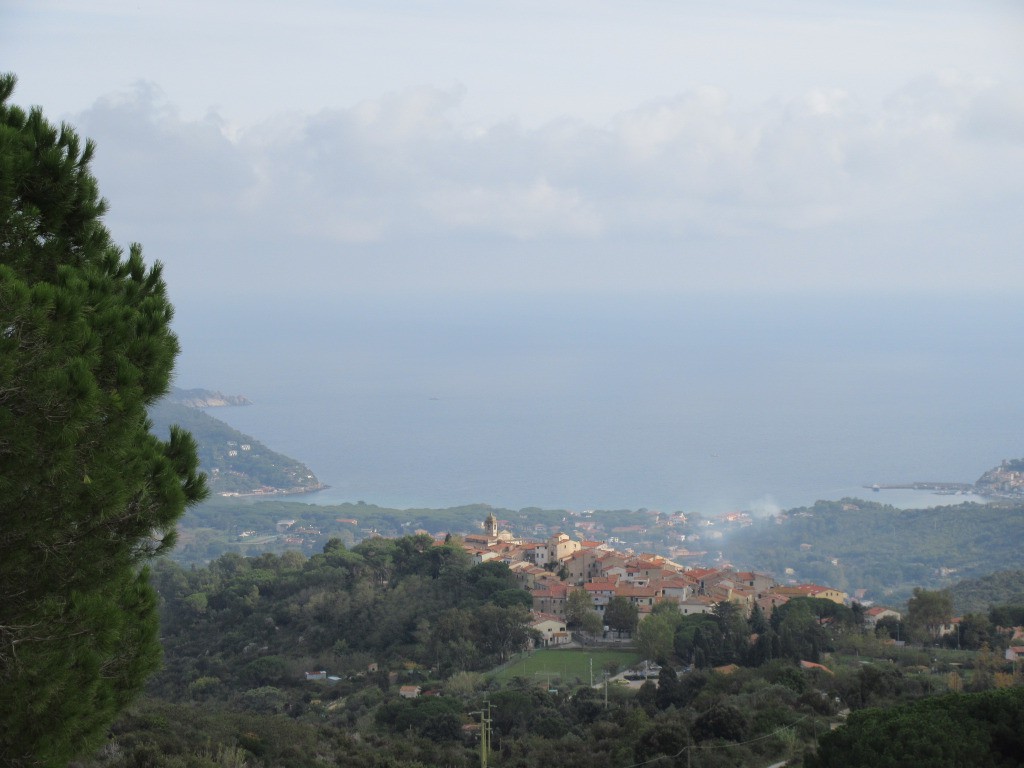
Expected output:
(551, 570)
(1004, 481)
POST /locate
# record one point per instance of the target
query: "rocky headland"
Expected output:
(205, 398)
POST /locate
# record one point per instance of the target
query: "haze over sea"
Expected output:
(700, 405)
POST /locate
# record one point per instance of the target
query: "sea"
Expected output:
(699, 404)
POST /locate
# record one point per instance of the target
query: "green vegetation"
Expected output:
(88, 494)
(241, 634)
(261, 622)
(233, 461)
(621, 615)
(978, 595)
(853, 544)
(884, 550)
(979, 730)
(566, 666)
(217, 525)
(927, 612)
(249, 526)
(214, 527)
(977, 631)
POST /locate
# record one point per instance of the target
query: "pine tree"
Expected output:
(87, 494)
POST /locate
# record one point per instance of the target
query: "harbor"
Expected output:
(949, 489)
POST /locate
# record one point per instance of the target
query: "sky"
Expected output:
(564, 252)
(324, 148)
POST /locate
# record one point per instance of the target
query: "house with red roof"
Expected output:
(769, 601)
(876, 613)
(600, 592)
(536, 553)
(813, 590)
(643, 597)
(675, 589)
(551, 598)
(584, 565)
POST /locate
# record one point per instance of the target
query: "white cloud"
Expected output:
(527, 212)
(674, 175)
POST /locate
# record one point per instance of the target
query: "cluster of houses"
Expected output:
(551, 570)
(1005, 480)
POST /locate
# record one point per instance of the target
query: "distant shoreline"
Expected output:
(948, 489)
(927, 486)
(273, 492)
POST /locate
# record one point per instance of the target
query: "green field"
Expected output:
(568, 666)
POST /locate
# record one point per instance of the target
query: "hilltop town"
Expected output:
(1004, 481)
(553, 569)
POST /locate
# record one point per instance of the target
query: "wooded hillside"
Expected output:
(853, 544)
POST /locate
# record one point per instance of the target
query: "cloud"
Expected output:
(534, 210)
(693, 179)
(160, 170)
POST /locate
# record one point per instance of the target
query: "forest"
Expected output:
(230, 467)
(1000, 588)
(242, 636)
(853, 544)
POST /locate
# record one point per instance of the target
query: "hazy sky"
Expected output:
(671, 146)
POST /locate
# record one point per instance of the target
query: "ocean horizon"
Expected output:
(700, 406)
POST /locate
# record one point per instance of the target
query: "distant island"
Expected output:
(235, 463)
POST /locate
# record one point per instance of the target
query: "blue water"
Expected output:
(696, 405)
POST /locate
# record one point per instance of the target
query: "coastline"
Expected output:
(272, 492)
(948, 489)
(939, 488)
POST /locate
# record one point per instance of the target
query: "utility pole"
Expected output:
(485, 733)
(591, 671)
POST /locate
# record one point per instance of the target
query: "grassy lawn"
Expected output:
(567, 665)
(908, 656)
